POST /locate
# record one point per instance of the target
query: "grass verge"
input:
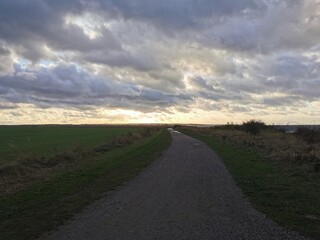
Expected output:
(283, 191)
(45, 205)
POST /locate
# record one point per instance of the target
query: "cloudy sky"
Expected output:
(178, 61)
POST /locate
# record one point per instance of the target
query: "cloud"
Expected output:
(68, 85)
(294, 74)
(282, 100)
(6, 61)
(33, 25)
(178, 14)
(122, 59)
(161, 58)
(284, 25)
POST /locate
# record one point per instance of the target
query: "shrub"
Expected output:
(309, 134)
(253, 126)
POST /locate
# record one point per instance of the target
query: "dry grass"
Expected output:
(275, 145)
(279, 172)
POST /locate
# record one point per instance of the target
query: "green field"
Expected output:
(45, 140)
(47, 201)
(287, 192)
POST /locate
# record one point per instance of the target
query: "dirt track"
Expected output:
(187, 193)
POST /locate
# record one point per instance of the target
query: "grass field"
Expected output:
(45, 140)
(285, 189)
(47, 203)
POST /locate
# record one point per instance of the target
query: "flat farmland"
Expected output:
(16, 141)
(49, 173)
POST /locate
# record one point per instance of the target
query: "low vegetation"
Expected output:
(253, 126)
(36, 160)
(309, 134)
(43, 141)
(63, 183)
(278, 171)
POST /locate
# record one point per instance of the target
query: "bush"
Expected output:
(253, 126)
(309, 134)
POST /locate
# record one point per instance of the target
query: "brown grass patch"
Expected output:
(274, 144)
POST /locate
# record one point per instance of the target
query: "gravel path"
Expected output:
(187, 193)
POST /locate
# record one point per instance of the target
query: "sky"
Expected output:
(168, 61)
